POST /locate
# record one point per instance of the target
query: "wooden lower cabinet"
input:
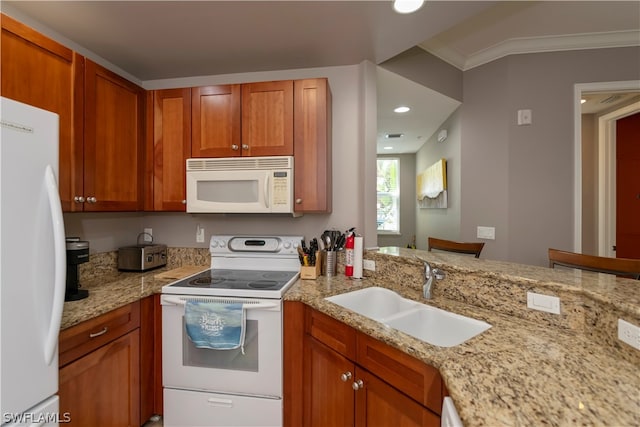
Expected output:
(109, 367)
(103, 387)
(379, 404)
(351, 379)
(328, 399)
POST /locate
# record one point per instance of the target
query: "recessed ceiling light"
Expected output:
(388, 148)
(407, 6)
(401, 109)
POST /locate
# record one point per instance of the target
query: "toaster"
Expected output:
(142, 257)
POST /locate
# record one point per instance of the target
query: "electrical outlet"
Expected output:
(547, 303)
(488, 233)
(629, 333)
(148, 235)
(369, 264)
(199, 234)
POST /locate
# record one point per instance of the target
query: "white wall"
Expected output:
(441, 223)
(520, 179)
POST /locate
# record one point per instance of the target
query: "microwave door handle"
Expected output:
(266, 191)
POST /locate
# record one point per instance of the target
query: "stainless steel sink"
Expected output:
(429, 324)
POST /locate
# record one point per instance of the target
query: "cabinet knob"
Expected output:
(184, 202)
(92, 199)
(78, 199)
(346, 376)
(298, 201)
(245, 147)
(234, 147)
(357, 385)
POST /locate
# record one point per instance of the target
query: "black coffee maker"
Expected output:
(77, 253)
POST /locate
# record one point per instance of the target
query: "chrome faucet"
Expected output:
(430, 274)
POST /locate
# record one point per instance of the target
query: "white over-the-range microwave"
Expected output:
(240, 185)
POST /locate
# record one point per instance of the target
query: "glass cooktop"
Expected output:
(223, 282)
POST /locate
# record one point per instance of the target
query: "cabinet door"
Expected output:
(379, 404)
(41, 72)
(113, 142)
(312, 146)
(328, 400)
(216, 121)
(267, 119)
(171, 147)
(103, 387)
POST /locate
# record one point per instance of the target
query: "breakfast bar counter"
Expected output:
(530, 367)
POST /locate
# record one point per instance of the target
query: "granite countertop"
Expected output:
(529, 368)
(516, 373)
(110, 291)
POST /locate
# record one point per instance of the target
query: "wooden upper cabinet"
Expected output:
(216, 121)
(113, 142)
(312, 146)
(168, 148)
(38, 71)
(267, 118)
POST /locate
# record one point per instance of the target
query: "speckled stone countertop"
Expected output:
(110, 289)
(529, 368)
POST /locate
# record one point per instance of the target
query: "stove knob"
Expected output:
(222, 243)
(287, 245)
(214, 244)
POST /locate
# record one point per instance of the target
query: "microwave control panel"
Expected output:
(281, 190)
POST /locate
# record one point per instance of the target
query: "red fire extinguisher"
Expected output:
(348, 251)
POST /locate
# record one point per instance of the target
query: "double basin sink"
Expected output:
(424, 322)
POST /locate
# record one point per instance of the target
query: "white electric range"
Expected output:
(243, 386)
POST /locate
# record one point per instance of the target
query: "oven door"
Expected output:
(257, 372)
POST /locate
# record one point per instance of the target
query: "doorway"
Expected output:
(603, 184)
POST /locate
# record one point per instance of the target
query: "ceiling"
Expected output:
(151, 40)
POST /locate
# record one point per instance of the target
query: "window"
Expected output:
(388, 188)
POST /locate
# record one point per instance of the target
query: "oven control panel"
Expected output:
(227, 245)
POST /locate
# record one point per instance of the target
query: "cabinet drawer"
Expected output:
(412, 376)
(331, 332)
(87, 336)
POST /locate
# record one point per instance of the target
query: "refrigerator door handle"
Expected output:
(51, 340)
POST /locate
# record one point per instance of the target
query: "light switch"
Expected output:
(542, 302)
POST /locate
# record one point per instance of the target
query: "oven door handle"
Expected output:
(275, 306)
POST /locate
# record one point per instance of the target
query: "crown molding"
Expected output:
(533, 45)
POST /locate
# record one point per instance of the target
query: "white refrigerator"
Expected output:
(32, 266)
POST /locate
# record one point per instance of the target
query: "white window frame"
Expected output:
(395, 195)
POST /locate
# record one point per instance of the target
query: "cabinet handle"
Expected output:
(78, 199)
(91, 199)
(357, 385)
(97, 334)
(346, 376)
(298, 201)
(245, 147)
(234, 147)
